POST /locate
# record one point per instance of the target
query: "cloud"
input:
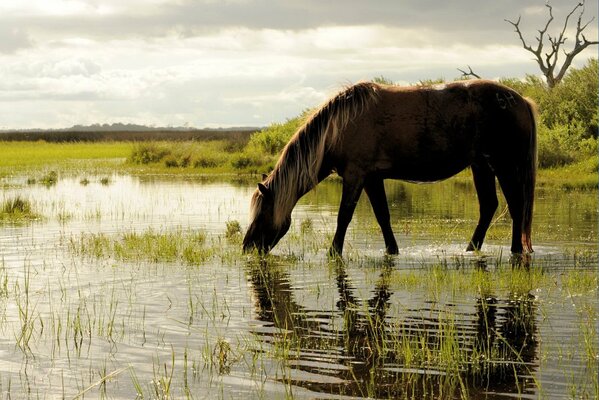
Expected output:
(238, 62)
(13, 39)
(467, 19)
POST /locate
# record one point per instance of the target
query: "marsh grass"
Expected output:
(220, 156)
(425, 350)
(233, 230)
(464, 362)
(207, 157)
(17, 210)
(430, 353)
(25, 156)
(186, 246)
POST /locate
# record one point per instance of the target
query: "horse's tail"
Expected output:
(530, 172)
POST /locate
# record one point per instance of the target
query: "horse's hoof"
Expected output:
(472, 247)
(392, 250)
(334, 253)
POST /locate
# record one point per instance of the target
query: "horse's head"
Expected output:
(263, 234)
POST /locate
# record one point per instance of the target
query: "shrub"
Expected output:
(247, 160)
(272, 139)
(234, 146)
(170, 161)
(567, 124)
(148, 152)
(208, 161)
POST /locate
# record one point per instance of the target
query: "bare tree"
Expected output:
(548, 61)
(469, 73)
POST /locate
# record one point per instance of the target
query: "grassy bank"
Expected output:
(211, 157)
(19, 157)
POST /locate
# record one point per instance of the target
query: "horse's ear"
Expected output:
(264, 176)
(264, 190)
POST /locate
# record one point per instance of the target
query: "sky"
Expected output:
(209, 63)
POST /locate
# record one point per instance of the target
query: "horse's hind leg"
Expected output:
(375, 189)
(484, 182)
(352, 188)
(514, 196)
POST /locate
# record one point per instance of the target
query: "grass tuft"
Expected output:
(185, 246)
(17, 209)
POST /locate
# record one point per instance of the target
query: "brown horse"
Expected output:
(370, 132)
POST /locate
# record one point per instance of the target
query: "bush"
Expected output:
(272, 139)
(171, 161)
(148, 152)
(574, 101)
(246, 160)
(554, 147)
(567, 124)
(208, 161)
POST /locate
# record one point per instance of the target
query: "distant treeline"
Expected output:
(236, 135)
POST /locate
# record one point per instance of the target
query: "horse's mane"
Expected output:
(297, 170)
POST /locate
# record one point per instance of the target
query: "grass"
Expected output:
(581, 175)
(17, 209)
(207, 157)
(185, 246)
(434, 339)
(466, 325)
(43, 154)
(274, 324)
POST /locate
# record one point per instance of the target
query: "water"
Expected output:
(297, 325)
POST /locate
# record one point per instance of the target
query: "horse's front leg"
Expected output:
(352, 188)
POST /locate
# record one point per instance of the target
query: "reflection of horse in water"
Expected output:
(371, 132)
(364, 356)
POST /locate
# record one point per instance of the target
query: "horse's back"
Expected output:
(428, 133)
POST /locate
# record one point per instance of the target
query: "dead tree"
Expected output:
(548, 60)
(470, 73)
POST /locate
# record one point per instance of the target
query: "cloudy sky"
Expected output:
(209, 63)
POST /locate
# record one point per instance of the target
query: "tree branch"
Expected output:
(579, 44)
(548, 61)
(469, 73)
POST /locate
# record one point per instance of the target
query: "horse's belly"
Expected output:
(423, 169)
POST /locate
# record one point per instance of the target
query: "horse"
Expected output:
(370, 132)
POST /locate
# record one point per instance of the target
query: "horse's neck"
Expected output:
(297, 172)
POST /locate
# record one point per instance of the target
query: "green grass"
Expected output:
(580, 175)
(186, 246)
(430, 338)
(42, 154)
(16, 210)
(209, 157)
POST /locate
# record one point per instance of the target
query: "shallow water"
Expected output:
(297, 324)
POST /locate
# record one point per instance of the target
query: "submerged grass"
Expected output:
(185, 246)
(388, 348)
